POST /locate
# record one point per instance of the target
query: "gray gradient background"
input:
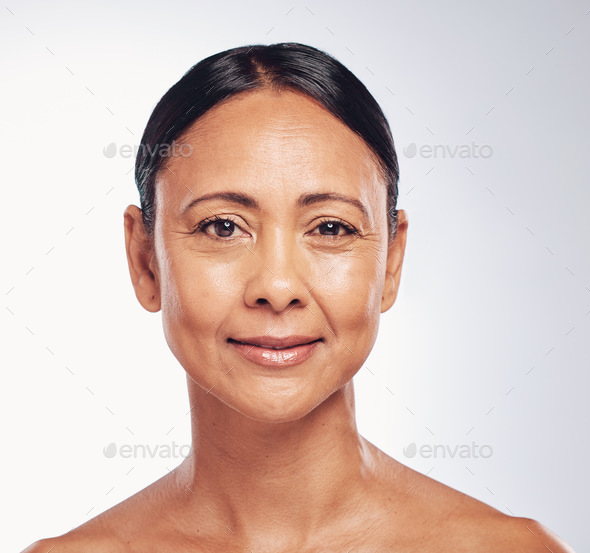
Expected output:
(488, 341)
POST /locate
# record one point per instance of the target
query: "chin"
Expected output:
(278, 409)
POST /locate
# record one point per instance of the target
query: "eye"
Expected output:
(335, 228)
(218, 227)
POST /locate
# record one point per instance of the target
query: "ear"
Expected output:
(395, 258)
(140, 254)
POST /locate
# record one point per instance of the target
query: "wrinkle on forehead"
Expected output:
(276, 123)
(286, 135)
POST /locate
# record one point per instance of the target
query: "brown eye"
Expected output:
(330, 228)
(220, 227)
(224, 227)
(333, 228)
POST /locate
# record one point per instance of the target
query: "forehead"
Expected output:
(268, 140)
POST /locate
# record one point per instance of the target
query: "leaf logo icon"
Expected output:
(409, 451)
(110, 150)
(410, 150)
(110, 450)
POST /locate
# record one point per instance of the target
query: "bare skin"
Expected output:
(277, 463)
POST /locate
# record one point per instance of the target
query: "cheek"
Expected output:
(197, 297)
(350, 293)
(349, 299)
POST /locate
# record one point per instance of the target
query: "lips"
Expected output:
(271, 342)
(270, 351)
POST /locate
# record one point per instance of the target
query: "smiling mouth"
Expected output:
(276, 345)
(275, 352)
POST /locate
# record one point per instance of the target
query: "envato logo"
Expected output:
(163, 150)
(143, 451)
(465, 451)
(472, 150)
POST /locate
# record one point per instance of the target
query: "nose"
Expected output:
(278, 275)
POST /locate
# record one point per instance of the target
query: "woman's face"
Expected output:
(274, 227)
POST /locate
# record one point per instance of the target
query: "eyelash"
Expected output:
(202, 226)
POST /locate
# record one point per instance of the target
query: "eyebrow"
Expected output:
(304, 200)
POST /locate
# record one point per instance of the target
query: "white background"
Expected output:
(487, 344)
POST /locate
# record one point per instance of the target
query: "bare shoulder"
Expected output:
(116, 530)
(529, 535)
(72, 543)
(478, 526)
(481, 527)
(98, 535)
(502, 533)
(435, 517)
(474, 526)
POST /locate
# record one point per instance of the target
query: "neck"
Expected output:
(255, 476)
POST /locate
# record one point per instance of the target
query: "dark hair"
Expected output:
(282, 66)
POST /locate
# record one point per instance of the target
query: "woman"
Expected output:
(269, 238)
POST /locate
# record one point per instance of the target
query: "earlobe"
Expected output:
(147, 292)
(139, 258)
(395, 258)
(389, 293)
